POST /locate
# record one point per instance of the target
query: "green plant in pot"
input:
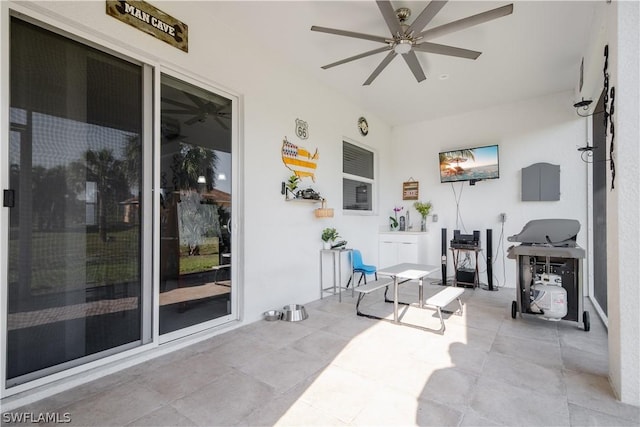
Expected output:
(423, 209)
(393, 223)
(329, 235)
(292, 183)
(393, 220)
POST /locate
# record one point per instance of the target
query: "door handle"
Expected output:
(9, 198)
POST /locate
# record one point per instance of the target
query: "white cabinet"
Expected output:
(397, 247)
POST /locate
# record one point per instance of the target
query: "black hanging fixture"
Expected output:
(584, 105)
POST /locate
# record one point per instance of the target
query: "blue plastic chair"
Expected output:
(360, 267)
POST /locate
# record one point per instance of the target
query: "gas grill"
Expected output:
(548, 259)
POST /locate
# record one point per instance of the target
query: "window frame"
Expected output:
(372, 181)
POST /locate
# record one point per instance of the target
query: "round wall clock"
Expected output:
(363, 126)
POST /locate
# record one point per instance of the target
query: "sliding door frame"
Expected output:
(150, 345)
(235, 188)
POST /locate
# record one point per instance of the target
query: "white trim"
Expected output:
(600, 312)
(375, 182)
(156, 202)
(589, 249)
(4, 183)
(147, 214)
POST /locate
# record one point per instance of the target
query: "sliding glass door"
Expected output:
(75, 159)
(81, 245)
(195, 211)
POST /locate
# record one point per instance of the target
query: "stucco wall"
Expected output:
(616, 25)
(544, 129)
(623, 247)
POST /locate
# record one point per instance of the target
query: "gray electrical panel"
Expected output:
(541, 182)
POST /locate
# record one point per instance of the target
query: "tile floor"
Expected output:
(335, 368)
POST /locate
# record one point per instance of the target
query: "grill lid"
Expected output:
(554, 232)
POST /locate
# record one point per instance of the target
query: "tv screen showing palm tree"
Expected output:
(471, 164)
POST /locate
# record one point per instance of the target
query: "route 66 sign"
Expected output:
(302, 129)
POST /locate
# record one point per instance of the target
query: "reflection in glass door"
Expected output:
(195, 211)
(74, 276)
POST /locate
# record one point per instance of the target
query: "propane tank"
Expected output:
(548, 297)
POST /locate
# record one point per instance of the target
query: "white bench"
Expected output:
(367, 289)
(438, 301)
(444, 298)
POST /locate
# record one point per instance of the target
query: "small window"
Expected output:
(357, 178)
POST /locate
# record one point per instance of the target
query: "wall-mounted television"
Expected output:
(470, 164)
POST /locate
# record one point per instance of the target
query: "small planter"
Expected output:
(328, 236)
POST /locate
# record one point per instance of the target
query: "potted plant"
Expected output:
(393, 220)
(292, 183)
(393, 223)
(423, 209)
(329, 235)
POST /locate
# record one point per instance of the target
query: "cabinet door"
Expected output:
(388, 254)
(407, 252)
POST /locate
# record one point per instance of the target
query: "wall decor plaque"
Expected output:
(151, 20)
(410, 190)
(302, 129)
(300, 161)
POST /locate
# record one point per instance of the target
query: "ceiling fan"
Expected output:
(200, 110)
(407, 39)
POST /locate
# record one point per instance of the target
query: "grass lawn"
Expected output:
(207, 257)
(66, 260)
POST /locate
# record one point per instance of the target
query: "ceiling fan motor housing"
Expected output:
(403, 13)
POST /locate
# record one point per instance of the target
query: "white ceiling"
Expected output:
(535, 51)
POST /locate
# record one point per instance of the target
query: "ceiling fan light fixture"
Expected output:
(402, 46)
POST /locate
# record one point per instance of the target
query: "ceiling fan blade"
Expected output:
(447, 50)
(196, 100)
(464, 23)
(180, 104)
(221, 123)
(414, 65)
(349, 34)
(195, 119)
(387, 59)
(429, 12)
(353, 58)
(169, 111)
(389, 16)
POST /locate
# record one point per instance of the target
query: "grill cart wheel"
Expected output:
(514, 309)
